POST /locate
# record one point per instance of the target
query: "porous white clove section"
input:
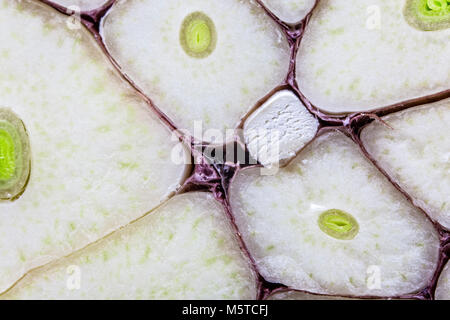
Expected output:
(205, 96)
(443, 287)
(100, 159)
(290, 11)
(359, 55)
(414, 148)
(279, 128)
(186, 249)
(394, 252)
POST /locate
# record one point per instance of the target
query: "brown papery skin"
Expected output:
(212, 176)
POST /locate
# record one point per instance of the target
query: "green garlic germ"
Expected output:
(338, 224)
(15, 155)
(198, 35)
(428, 15)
